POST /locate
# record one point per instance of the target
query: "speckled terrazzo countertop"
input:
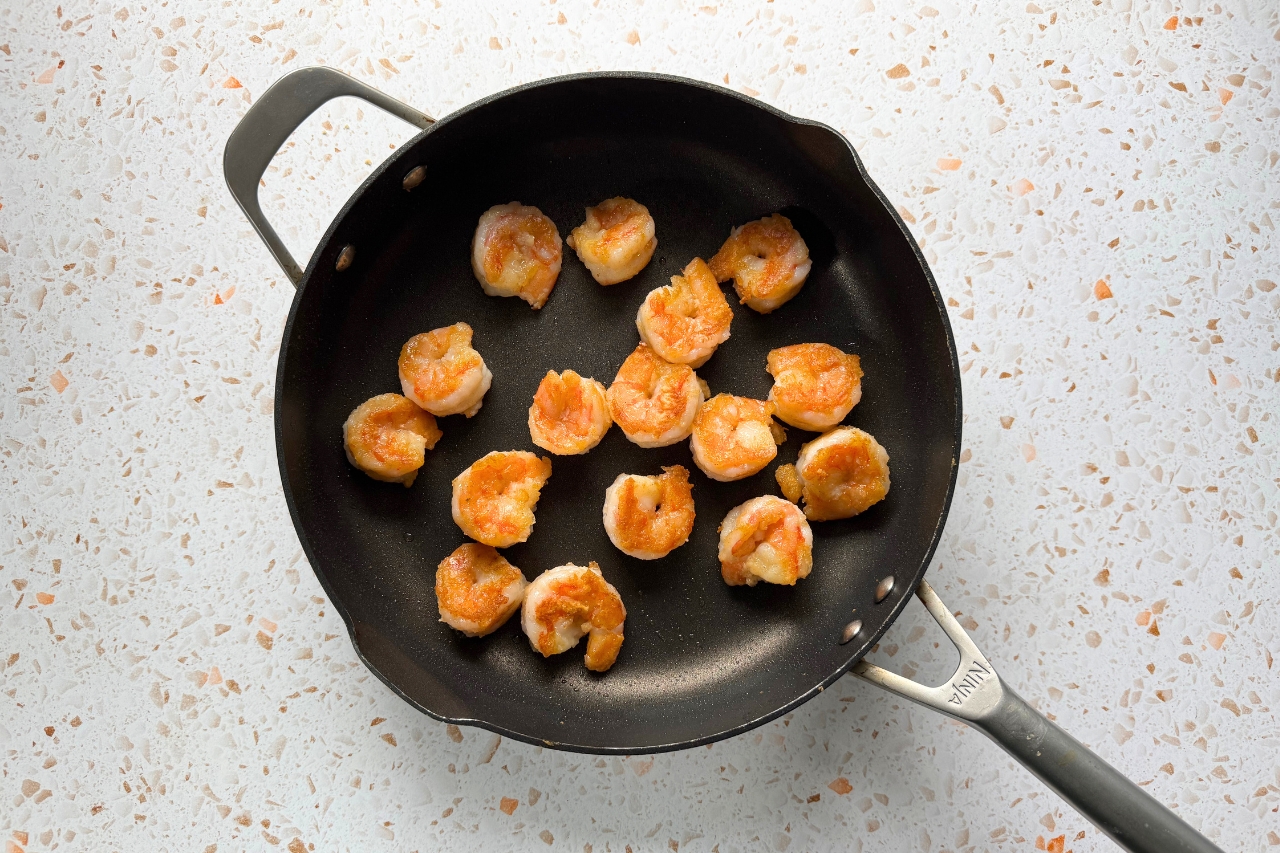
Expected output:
(1096, 187)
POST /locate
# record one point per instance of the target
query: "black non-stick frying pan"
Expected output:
(702, 661)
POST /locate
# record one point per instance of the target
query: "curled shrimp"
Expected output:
(441, 372)
(814, 385)
(569, 414)
(516, 252)
(616, 241)
(685, 321)
(387, 437)
(839, 474)
(477, 590)
(649, 517)
(568, 601)
(654, 401)
(765, 539)
(734, 437)
(494, 499)
(767, 260)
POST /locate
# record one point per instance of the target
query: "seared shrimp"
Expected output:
(387, 437)
(765, 539)
(649, 517)
(839, 474)
(814, 385)
(442, 373)
(654, 401)
(734, 437)
(569, 414)
(685, 321)
(477, 590)
(516, 252)
(616, 241)
(767, 260)
(493, 500)
(568, 601)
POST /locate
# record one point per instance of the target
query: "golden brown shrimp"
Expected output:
(387, 437)
(477, 590)
(685, 321)
(767, 260)
(442, 373)
(654, 401)
(814, 385)
(494, 499)
(516, 252)
(839, 474)
(568, 601)
(734, 437)
(765, 539)
(569, 414)
(649, 517)
(616, 241)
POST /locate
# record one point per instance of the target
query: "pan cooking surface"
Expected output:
(700, 658)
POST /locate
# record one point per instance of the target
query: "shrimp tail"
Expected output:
(602, 649)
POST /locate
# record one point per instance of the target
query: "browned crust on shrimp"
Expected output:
(463, 598)
(581, 597)
(814, 385)
(570, 413)
(845, 476)
(386, 437)
(636, 528)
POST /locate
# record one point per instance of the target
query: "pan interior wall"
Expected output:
(700, 658)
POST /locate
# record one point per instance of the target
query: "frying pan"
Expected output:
(702, 661)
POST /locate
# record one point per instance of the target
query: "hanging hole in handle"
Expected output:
(308, 181)
(916, 647)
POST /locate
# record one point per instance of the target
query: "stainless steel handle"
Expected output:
(271, 120)
(975, 694)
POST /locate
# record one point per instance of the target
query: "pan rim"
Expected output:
(324, 252)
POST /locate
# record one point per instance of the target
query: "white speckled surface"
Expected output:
(172, 677)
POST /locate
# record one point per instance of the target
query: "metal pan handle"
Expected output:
(271, 120)
(1129, 815)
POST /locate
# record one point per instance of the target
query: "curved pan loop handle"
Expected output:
(1129, 815)
(270, 121)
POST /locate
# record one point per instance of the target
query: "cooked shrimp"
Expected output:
(654, 401)
(839, 474)
(516, 252)
(814, 385)
(477, 590)
(616, 241)
(734, 437)
(685, 321)
(568, 601)
(765, 539)
(387, 437)
(569, 414)
(493, 500)
(767, 260)
(442, 373)
(649, 517)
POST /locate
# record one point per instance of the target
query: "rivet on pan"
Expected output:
(884, 588)
(850, 631)
(345, 257)
(414, 177)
